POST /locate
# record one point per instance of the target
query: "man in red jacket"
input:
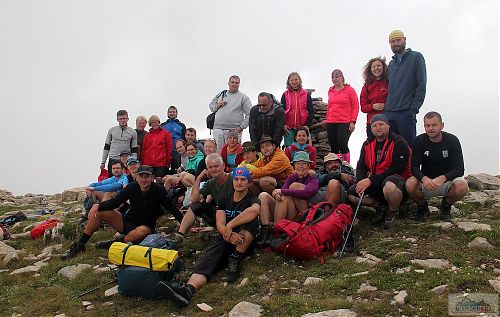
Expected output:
(382, 170)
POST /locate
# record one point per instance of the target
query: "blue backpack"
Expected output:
(139, 281)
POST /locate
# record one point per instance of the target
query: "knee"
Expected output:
(352, 199)
(460, 188)
(334, 185)
(390, 189)
(412, 184)
(264, 197)
(296, 186)
(142, 231)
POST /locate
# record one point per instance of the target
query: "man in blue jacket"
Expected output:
(177, 129)
(109, 187)
(407, 83)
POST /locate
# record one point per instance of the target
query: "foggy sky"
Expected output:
(66, 67)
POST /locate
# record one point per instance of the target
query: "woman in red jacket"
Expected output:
(157, 148)
(374, 91)
(341, 116)
(232, 152)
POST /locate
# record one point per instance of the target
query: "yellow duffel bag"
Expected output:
(135, 255)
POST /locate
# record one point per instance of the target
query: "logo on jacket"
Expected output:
(426, 153)
(445, 153)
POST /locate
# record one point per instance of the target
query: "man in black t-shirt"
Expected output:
(148, 201)
(437, 168)
(237, 226)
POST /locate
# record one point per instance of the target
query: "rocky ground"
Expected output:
(408, 270)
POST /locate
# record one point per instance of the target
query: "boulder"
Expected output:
(495, 284)
(441, 289)
(400, 297)
(72, 194)
(312, 280)
(476, 198)
(111, 291)
(333, 313)
(432, 263)
(480, 243)
(245, 309)
(483, 181)
(73, 270)
(26, 269)
(471, 226)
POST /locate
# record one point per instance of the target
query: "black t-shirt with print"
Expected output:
(234, 208)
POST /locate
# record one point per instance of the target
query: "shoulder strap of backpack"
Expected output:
(329, 209)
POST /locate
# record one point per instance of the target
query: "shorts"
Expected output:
(218, 252)
(129, 226)
(205, 211)
(160, 171)
(377, 192)
(320, 196)
(441, 191)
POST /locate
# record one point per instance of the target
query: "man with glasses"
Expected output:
(119, 139)
(267, 119)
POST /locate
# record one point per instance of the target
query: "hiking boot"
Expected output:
(180, 294)
(104, 244)
(390, 217)
(264, 237)
(74, 249)
(445, 210)
(350, 242)
(423, 212)
(233, 268)
(381, 213)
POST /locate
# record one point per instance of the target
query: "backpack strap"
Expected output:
(150, 259)
(124, 251)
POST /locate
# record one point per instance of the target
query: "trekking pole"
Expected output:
(352, 224)
(96, 288)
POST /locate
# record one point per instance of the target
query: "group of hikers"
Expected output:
(242, 189)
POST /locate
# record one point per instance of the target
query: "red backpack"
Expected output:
(318, 233)
(39, 230)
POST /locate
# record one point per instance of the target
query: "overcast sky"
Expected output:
(66, 67)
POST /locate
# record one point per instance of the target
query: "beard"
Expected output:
(399, 49)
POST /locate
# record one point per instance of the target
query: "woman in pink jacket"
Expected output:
(343, 108)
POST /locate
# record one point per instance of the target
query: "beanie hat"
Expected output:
(242, 171)
(379, 117)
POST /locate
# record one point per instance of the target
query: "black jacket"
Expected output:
(271, 123)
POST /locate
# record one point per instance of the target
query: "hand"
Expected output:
(277, 194)
(89, 191)
(351, 126)
(362, 185)
(239, 129)
(102, 166)
(236, 238)
(378, 106)
(209, 199)
(221, 103)
(93, 211)
(226, 233)
(202, 175)
(439, 181)
(306, 127)
(429, 184)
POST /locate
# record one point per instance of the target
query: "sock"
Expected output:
(84, 239)
(237, 254)
(191, 288)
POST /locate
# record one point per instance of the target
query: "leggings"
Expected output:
(338, 137)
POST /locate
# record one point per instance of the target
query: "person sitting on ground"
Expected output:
(108, 188)
(334, 179)
(300, 190)
(157, 148)
(203, 200)
(250, 155)
(437, 166)
(266, 118)
(232, 151)
(187, 178)
(302, 143)
(272, 169)
(382, 169)
(191, 138)
(237, 225)
(124, 156)
(133, 165)
(210, 147)
(148, 201)
(140, 125)
(180, 148)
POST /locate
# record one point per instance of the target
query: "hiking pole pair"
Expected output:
(352, 224)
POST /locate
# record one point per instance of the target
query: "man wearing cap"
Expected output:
(124, 156)
(272, 169)
(148, 201)
(334, 179)
(407, 85)
(120, 138)
(381, 172)
(232, 108)
(267, 119)
(437, 166)
(299, 189)
(107, 189)
(133, 165)
(204, 200)
(250, 155)
(237, 226)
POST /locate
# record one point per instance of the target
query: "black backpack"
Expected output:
(211, 116)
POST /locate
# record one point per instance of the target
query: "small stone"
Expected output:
(366, 288)
(61, 315)
(432, 263)
(245, 309)
(89, 307)
(30, 257)
(26, 269)
(41, 263)
(9, 257)
(102, 269)
(480, 243)
(360, 273)
(439, 289)
(111, 291)
(243, 282)
(471, 226)
(109, 303)
(433, 209)
(86, 303)
(72, 271)
(265, 299)
(312, 280)
(419, 271)
(495, 284)
(333, 313)
(112, 266)
(204, 307)
(443, 225)
(52, 248)
(412, 240)
(368, 259)
(403, 270)
(399, 299)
